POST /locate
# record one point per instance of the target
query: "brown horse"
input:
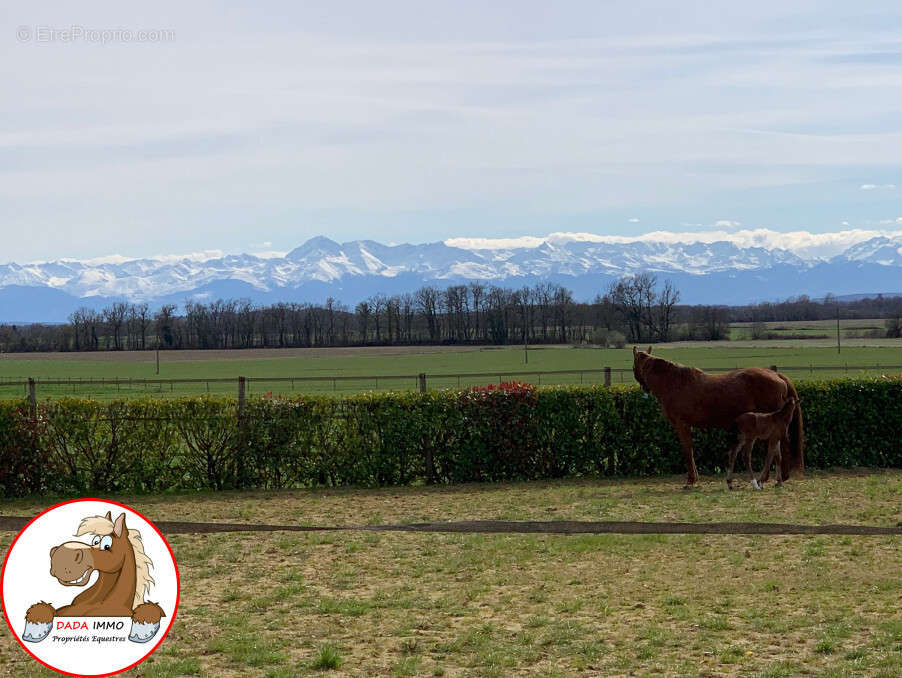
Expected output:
(772, 427)
(117, 555)
(692, 398)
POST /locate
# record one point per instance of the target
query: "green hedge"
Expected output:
(76, 446)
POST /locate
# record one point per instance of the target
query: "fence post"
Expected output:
(607, 376)
(36, 479)
(239, 457)
(32, 397)
(421, 380)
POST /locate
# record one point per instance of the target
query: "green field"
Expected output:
(268, 605)
(368, 369)
(849, 329)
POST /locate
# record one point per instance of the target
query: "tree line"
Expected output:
(633, 309)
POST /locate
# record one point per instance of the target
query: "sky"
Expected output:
(185, 127)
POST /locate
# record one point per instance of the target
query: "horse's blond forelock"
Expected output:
(103, 526)
(95, 525)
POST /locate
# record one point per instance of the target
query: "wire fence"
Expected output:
(105, 388)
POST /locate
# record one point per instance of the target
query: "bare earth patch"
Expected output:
(533, 605)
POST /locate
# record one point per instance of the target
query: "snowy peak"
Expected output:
(322, 267)
(885, 251)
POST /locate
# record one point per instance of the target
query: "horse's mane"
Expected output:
(102, 526)
(653, 362)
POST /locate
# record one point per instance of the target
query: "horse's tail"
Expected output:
(794, 462)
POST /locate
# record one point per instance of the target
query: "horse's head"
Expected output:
(640, 360)
(73, 561)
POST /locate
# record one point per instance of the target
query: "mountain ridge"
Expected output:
(705, 270)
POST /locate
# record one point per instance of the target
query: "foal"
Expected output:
(773, 428)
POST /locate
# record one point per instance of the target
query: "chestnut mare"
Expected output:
(692, 398)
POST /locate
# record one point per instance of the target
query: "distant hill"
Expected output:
(727, 271)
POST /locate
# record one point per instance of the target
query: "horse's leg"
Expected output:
(765, 473)
(684, 433)
(38, 622)
(748, 464)
(784, 463)
(778, 448)
(772, 451)
(731, 460)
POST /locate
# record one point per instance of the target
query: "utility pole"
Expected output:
(158, 357)
(838, 347)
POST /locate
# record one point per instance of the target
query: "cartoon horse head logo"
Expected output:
(116, 553)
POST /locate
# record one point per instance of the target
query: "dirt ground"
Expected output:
(437, 604)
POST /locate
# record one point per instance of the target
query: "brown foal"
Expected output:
(772, 427)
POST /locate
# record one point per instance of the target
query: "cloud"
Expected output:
(404, 117)
(523, 242)
(727, 223)
(802, 243)
(634, 220)
(205, 255)
(843, 223)
(875, 187)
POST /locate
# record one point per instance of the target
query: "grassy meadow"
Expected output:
(395, 368)
(414, 604)
(857, 328)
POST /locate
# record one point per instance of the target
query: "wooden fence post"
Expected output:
(37, 478)
(607, 376)
(32, 397)
(239, 457)
(429, 458)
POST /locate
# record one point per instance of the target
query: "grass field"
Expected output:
(851, 329)
(406, 363)
(407, 604)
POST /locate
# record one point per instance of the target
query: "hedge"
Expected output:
(78, 446)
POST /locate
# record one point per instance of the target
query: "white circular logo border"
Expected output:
(12, 625)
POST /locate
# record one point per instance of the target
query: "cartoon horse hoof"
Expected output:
(35, 632)
(142, 632)
(145, 622)
(38, 622)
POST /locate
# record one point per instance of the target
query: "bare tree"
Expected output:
(407, 310)
(427, 304)
(363, 311)
(663, 311)
(647, 314)
(563, 306)
(477, 294)
(115, 316)
(377, 307)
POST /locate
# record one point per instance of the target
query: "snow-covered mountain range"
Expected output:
(707, 267)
